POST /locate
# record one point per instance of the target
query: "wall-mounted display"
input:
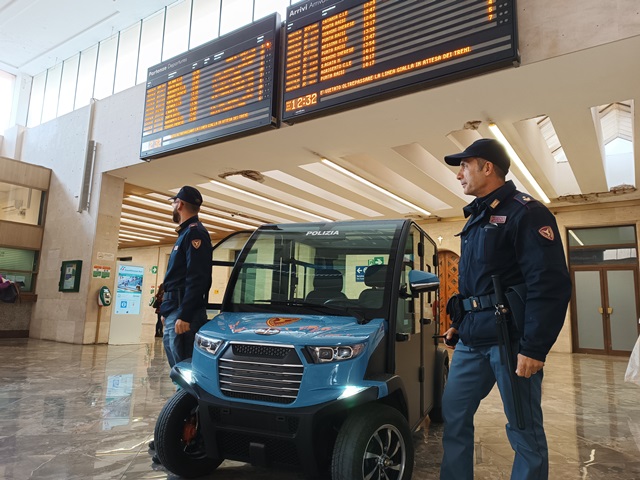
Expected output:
(342, 53)
(222, 88)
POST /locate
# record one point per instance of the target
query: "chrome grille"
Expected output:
(251, 371)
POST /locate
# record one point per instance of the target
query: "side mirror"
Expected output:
(423, 281)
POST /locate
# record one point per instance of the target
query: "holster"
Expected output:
(455, 310)
(517, 297)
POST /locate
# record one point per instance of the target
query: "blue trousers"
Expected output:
(473, 373)
(180, 347)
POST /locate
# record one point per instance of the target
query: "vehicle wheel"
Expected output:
(177, 438)
(441, 374)
(374, 443)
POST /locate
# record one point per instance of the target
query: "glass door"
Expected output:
(604, 267)
(605, 310)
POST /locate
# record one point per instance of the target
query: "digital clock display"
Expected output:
(222, 88)
(342, 53)
(301, 102)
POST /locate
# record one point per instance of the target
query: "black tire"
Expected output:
(179, 444)
(374, 443)
(441, 375)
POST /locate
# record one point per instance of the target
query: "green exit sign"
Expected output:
(376, 261)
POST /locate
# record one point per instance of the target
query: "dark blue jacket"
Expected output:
(512, 235)
(188, 278)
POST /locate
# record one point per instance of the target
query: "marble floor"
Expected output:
(88, 412)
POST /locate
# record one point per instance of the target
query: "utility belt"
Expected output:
(477, 304)
(173, 295)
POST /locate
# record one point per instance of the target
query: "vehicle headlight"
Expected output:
(335, 353)
(208, 344)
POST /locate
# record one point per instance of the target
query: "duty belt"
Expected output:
(173, 295)
(475, 304)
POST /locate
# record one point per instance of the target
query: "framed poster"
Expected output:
(70, 272)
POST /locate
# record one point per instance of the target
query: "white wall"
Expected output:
(68, 235)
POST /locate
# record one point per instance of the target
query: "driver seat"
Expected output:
(374, 277)
(327, 284)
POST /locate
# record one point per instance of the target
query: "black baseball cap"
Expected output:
(188, 194)
(486, 148)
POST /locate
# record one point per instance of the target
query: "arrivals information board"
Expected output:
(342, 53)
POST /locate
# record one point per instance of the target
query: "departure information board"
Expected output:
(219, 89)
(340, 53)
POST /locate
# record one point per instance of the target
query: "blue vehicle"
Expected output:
(322, 358)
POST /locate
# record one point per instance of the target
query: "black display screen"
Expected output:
(341, 53)
(222, 88)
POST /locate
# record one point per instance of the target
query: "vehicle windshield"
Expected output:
(332, 269)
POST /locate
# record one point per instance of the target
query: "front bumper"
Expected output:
(301, 438)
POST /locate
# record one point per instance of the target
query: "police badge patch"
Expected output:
(196, 243)
(547, 232)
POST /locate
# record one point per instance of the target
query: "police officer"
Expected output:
(188, 278)
(510, 234)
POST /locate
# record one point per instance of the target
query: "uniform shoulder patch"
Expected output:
(547, 232)
(524, 198)
(197, 242)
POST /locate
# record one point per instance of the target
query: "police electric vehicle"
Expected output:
(323, 357)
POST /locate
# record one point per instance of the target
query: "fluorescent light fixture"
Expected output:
(232, 223)
(369, 184)
(519, 163)
(234, 216)
(149, 213)
(575, 237)
(135, 237)
(219, 213)
(131, 231)
(150, 220)
(148, 201)
(144, 231)
(268, 200)
(147, 224)
(202, 214)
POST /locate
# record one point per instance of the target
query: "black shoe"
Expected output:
(155, 459)
(151, 445)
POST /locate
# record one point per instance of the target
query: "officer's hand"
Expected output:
(528, 366)
(451, 337)
(182, 326)
(162, 320)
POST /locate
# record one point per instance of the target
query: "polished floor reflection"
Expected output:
(88, 412)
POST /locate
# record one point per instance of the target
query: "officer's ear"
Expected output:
(489, 168)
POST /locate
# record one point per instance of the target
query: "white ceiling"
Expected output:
(398, 144)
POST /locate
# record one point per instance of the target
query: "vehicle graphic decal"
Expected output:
(281, 321)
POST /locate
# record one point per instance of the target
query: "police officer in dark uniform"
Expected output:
(509, 234)
(188, 278)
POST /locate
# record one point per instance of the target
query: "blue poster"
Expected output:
(129, 290)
